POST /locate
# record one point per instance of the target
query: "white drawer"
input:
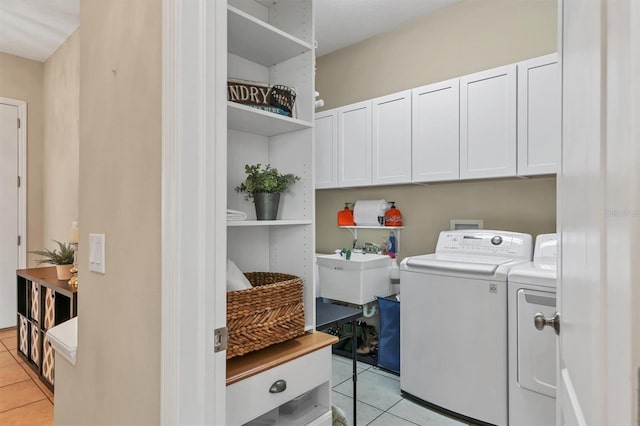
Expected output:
(250, 398)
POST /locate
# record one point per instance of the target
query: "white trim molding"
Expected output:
(22, 173)
(193, 211)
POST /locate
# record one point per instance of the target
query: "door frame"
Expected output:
(22, 173)
(194, 170)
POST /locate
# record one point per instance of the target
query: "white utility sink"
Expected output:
(358, 280)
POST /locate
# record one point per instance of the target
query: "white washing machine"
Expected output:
(532, 352)
(453, 322)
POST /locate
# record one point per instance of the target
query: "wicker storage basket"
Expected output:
(271, 312)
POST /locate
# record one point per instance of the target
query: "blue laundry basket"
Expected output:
(389, 335)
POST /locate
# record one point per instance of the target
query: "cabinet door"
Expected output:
(391, 138)
(354, 145)
(326, 149)
(488, 123)
(436, 131)
(539, 126)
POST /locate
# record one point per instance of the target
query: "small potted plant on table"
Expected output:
(264, 186)
(62, 258)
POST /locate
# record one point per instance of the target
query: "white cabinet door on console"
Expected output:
(488, 123)
(539, 109)
(354, 145)
(326, 149)
(436, 132)
(392, 139)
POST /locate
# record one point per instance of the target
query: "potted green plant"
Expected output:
(62, 258)
(264, 186)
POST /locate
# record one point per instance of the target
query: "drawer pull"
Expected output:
(277, 387)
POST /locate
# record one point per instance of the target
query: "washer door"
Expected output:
(536, 348)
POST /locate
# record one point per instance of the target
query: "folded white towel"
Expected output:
(236, 215)
(235, 278)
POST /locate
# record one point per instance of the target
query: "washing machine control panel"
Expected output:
(484, 243)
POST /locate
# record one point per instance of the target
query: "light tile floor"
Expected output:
(380, 402)
(24, 400)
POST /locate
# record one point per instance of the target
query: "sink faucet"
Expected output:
(371, 248)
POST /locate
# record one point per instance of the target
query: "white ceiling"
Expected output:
(34, 29)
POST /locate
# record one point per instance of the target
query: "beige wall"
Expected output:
(517, 205)
(21, 79)
(117, 376)
(61, 97)
(469, 36)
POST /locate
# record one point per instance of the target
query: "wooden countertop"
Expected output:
(47, 277)
(243, 367)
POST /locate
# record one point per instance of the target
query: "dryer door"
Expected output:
(536, 349)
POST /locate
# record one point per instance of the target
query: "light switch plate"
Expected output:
(96, 253)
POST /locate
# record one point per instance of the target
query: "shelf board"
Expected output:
(372, 227)
(259, 122)
(268, 222)
(260, 42)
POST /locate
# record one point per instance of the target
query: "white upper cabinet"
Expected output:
(539, 108)
(354, 145)
(326, 149)
(488, 123)
(501, 122)
(391, 138)
(436, 132)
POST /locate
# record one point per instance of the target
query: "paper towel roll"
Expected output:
(366, 212)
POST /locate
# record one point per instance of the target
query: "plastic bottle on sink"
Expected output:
(394, 269)
(394, 273)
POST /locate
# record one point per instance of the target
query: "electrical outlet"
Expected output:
(96, 253)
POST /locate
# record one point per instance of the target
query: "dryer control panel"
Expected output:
(485, 243)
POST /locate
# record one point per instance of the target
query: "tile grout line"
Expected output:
(24, 367)
(398, 416)
(23, 405)
(19, 381)
(37, 383)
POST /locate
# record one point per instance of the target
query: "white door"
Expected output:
(354, 145)
(436, 132)
(488, 123)
(9, 213)
(391, 139)
(326, 149)
(599, 214)
(539, 115)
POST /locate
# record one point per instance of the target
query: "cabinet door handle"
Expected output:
(278, 386)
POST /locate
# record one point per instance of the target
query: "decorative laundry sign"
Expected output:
(279, 99)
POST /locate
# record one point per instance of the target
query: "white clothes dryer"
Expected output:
(453, 322)
(532, 352)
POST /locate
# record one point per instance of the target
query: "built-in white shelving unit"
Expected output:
(271, 42)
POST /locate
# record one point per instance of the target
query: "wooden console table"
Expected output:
(43, 302)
